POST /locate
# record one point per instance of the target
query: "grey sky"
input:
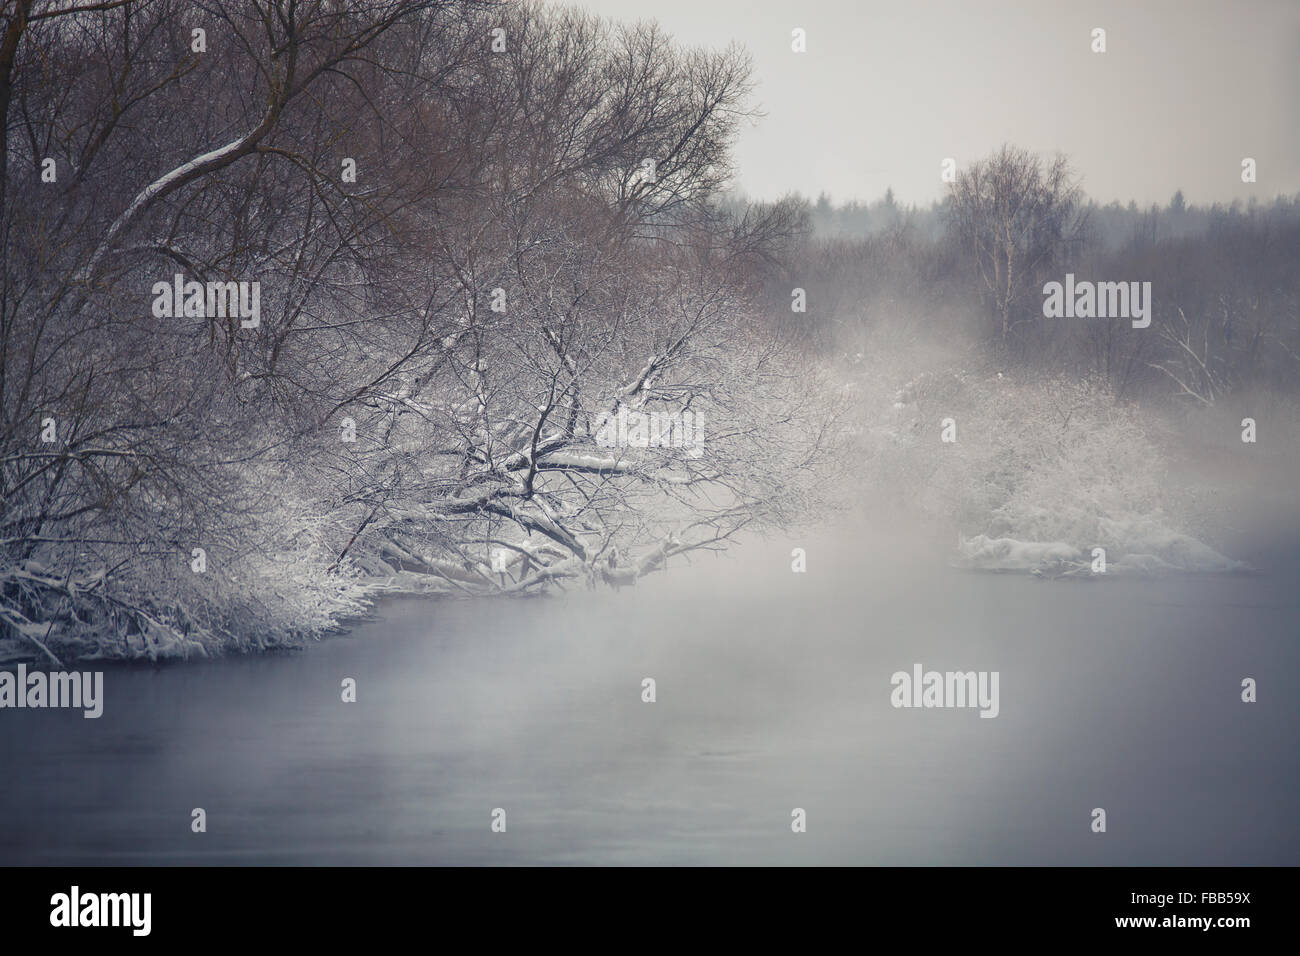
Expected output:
(888, 88)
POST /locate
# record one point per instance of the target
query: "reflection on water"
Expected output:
(773, 693)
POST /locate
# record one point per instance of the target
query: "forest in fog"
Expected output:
(304, 303)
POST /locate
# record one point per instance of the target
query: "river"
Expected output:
(772, 693)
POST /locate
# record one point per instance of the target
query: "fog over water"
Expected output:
(773, 692)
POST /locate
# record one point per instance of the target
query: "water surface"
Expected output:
(772, 693)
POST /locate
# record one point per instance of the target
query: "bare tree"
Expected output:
(1016, 213)
(467, 253)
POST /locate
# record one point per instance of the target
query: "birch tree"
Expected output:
(1017, 213)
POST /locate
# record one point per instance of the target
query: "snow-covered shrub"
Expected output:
(1042, 472)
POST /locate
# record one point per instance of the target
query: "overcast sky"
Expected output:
(888, 88)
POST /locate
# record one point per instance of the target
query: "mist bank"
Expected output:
(1007, 469)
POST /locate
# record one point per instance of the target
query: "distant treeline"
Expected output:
(1225, 288)
(1113, 225)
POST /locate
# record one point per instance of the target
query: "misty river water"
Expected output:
(773, 692)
